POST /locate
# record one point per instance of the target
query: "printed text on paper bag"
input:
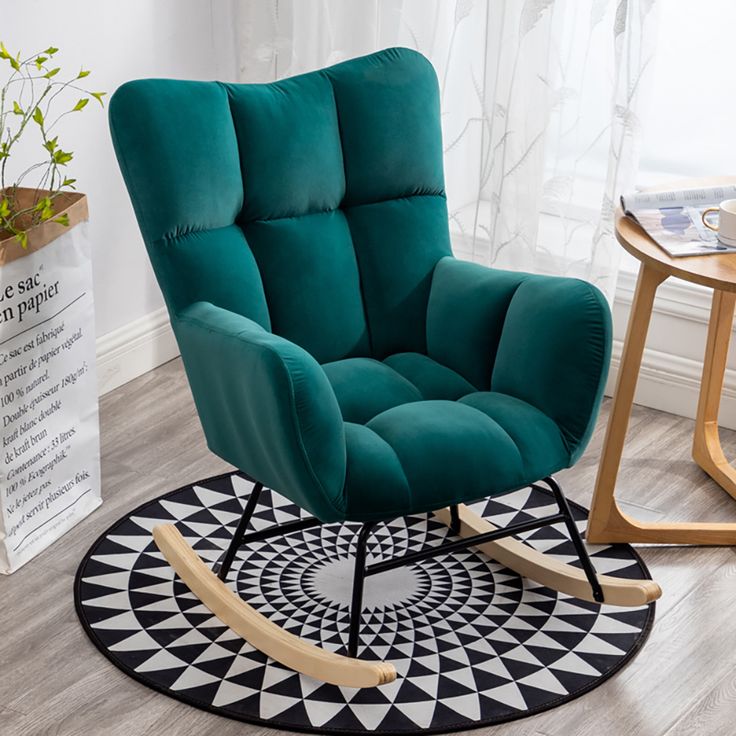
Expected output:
(27, 295)
(39, 373)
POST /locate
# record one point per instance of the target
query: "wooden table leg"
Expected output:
(607, 523)
(605, 515)
(707, 451)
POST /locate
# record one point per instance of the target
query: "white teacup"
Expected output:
(726, 227)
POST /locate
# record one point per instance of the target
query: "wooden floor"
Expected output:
(53, 680)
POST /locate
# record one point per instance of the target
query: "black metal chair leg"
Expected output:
(356, 604)
(454, 519)
(237, 539)
(577, 540)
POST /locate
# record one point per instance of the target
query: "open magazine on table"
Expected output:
(673, 218)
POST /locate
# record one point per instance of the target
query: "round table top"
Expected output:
(716, 271)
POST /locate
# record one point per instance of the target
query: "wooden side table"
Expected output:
(607, 522)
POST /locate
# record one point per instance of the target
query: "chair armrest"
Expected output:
(543, 339)
(555, 351)
(465, 316)
(266, 406)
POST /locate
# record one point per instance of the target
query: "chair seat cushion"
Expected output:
(419, 437)
(538, 439)
(425, 455)
(365, 387)
(433, 380)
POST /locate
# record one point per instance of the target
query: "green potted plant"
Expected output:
(49, 466)
(33, 101)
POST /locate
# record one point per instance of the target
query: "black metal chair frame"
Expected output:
(241, 538)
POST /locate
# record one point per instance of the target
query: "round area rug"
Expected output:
(473, 643)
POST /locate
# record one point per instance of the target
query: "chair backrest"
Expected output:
(314, 205)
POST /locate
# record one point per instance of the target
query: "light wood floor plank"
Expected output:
(713, 714)
(200, 723)
(95, 704)
(10, 720)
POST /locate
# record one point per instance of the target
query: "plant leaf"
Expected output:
(3, 51)
(83, 73)
(15, 63)
(69, 183)
(62, 157)
(52, 73)
(40, 60)
(98, 96)
(38, 116)
(63, 220)
(51, 50)
(4, 208)
(17, 109)
(22, 238)
(50, 144)
(81, 104)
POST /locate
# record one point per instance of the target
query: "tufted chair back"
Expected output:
(314, 206)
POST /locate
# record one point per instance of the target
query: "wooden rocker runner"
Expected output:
(336, 350)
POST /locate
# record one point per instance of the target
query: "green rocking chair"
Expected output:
(336, 350)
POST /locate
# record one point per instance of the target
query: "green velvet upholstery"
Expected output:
(365, 387)
(553, 371)
(537, 437)
(465, 316)
(265, 403)
(432, 379)
(303, 309)
(335, 348)
(398, 244)
(447, 448)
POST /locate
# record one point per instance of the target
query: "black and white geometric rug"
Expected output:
(472, 642)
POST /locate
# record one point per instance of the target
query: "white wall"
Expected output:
(118, 41)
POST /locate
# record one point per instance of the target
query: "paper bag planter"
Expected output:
(50, 462)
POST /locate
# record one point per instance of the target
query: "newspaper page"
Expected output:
(673, 218)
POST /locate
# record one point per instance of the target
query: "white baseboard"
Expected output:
(671, 383)
(134, 349)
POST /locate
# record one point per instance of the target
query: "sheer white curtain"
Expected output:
(540, 106)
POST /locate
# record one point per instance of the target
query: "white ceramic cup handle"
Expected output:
(706, 213)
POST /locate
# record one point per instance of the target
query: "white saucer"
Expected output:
(726, 240)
